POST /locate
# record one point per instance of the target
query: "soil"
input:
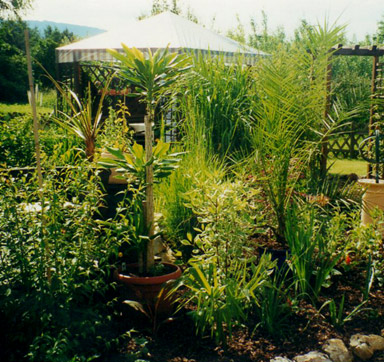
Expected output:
(308, 329)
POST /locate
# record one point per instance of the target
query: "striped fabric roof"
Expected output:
(160, 31)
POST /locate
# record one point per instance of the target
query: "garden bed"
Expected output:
(306, 331)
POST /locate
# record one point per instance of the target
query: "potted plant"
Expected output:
(151, 76)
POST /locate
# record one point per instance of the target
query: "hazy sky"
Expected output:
(360, 16)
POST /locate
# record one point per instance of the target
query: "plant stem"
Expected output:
(148, 209)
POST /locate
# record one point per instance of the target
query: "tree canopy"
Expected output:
(13, 7)
(13, 77)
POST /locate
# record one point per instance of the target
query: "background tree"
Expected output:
(380, 31)
(13, 75)
(13, 7)
(45, 52)
(159, 6)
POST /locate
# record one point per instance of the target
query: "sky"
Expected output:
(360, 16)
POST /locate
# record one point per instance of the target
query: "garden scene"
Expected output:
(193, 205)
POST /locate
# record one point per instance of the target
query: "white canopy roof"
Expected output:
(156, 32)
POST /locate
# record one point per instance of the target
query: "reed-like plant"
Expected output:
(214, 96)
(313, 255)
(222, 300)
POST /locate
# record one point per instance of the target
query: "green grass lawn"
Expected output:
(47, 99)
(346, 167)
(22, 108)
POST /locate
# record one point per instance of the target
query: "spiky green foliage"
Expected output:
(151, 75)
(214, 98)
(82, 121)
(290, 113)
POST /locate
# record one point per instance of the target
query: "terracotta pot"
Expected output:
(372, 198)
(112, 177)
(146, 289)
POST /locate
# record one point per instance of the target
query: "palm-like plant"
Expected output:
(83, 121)
(151, 76)
(289, 125)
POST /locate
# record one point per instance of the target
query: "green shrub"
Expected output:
(223, 300)
(17, 148)
(16, 142)
(54, 272)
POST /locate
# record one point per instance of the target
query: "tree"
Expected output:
(45, 52)
(380, 31)
(13, 75)
(159, 6)
(260, 39)
(13, 7)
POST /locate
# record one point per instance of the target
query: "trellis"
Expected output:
(78, 76)
(376, 113)
(346, 144)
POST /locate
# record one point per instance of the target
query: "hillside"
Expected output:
(79, 30)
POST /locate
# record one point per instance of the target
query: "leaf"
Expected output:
(137, 306)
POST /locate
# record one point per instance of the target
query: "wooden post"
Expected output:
(372, 109)
(77, 78)
(352, 143)
(327, 106)
(37, 143)
(34, 112)
(149, 204)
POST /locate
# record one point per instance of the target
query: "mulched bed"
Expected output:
(308, 330)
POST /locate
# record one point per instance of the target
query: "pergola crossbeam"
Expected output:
(356, 50)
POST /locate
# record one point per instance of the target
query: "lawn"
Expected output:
(347, 166)
(22, 108)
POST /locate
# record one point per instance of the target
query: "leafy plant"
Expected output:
(277, 305)
(222, 301)
(226, 216)
(68, 316)
(152, 312)
(151, 76)
(134, 161)
(312, 258)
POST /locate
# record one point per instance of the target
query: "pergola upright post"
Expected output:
(327, 107)
(372, 107)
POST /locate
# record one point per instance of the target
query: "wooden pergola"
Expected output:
(377, 89)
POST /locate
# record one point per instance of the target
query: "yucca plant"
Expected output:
(151, 75)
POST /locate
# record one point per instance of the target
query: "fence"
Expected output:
(346, 145)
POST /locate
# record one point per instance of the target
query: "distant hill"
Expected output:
(79, 30)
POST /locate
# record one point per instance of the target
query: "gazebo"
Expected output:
(87, 61)
(159, 31)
